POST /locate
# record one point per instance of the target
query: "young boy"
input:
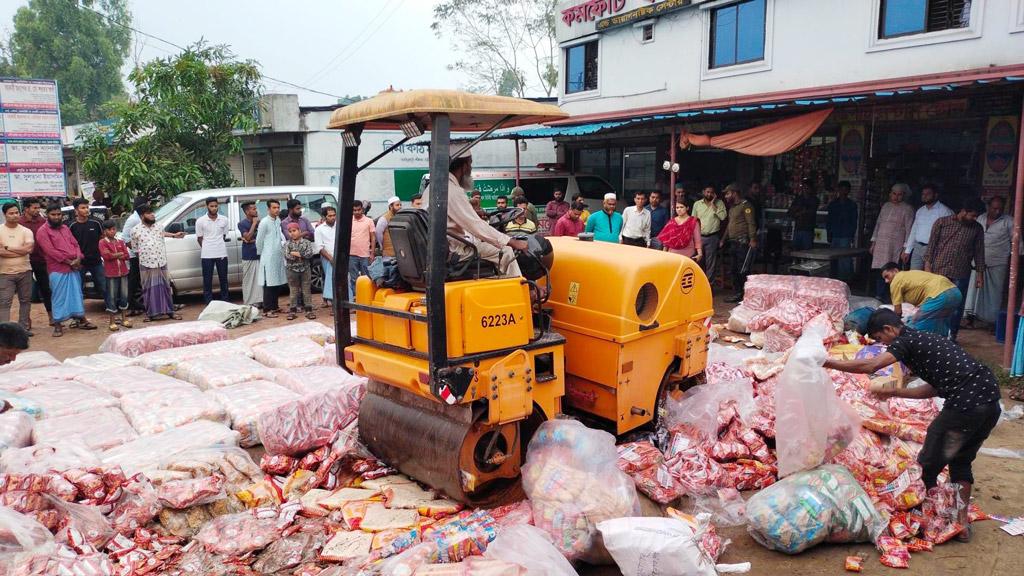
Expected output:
(297, 252)
(115, 267)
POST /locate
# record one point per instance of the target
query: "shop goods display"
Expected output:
(15, 429)
(139, 341)
(301, 425)
(220, 371)
(126, 380)
(96, 429)
(291, 353)
(307, 379)
(28, 360)
(314, 331)
(166, 361)
(99, 361)
(243, 404)
(572, 481)
(162, 409)
(61, 398)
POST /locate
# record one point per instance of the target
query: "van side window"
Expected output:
(188, 219)
(261, 204)
(312, 203)
(539, 191)
(593, 187)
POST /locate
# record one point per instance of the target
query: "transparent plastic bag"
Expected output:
(237, 534)
(726, 507)
(20, 534)
(166, 361)
(812, 425)
(60, 398)
(573, 483)
(302, 425)
(28, 360)
(17, 382)
(43, 458)
(739, 319)
(314, 331)
(147, 452)
(100, 361)
(700, 405)
(88, 521)
(119, 382)
(221, 370)
(20, 404)
(807, 508)
(15, 430)
(181, 494)
(243, 403)
(294, 353)
(531, 548)
(157, 411)
(97, 429)
(230, 462)
(308, 379)
(139, 341)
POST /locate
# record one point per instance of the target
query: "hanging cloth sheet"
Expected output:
(766, 140)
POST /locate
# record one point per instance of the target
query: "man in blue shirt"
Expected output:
(252, 291)
(606, 225)
(842, 226)
(659, 217)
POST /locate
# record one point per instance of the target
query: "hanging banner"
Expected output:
(31, 157)
(851, 157)
(1000, 150)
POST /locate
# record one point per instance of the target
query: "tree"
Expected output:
(180, 132)
(80, 43)
(508, 46)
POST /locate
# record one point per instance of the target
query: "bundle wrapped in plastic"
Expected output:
(655, 547)
(15, 429)
(573, 483)
(314, 331)
(25, 379)
(221, 370)
(309, 379)
(134, 343)
(700, 406)
(530, 548)
(21, 537)
(60, 398)
(821, 505)
(764, 291)
(294, 353)
(97, 429)
(181, 494)
(119, 382)
(739, 319)
(166, 361)
(812, 424)
(28, 361)
(237, 534)
(99, 361)
(687, 460)
(791, 314)
(16, 403)
(637, 456)
(309, 422)
(243, 404)
(461, 536)
(163, 409)
(231, 463)
(147, 452)
(44, 458)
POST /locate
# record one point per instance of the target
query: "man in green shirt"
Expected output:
(606, 225)
(741, 236)
(710, 212)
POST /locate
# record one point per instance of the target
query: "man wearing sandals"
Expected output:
(971, 409)
(149, 243)
(63, 262)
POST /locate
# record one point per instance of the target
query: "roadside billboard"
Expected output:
(31, 157)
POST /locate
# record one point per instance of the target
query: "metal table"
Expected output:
(830, 255)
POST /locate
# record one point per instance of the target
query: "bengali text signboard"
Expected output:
(31, 158)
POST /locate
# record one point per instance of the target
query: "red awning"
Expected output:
(765, 140)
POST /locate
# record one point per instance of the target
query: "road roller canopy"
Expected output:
(468, 112)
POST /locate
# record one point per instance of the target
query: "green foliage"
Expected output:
(181, 131)
(507, 47)
(68, 41)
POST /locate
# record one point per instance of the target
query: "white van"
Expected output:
(539, 185)
(181, 212)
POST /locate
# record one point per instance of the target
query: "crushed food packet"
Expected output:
(854, 563)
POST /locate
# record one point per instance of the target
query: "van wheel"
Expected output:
(316, 276)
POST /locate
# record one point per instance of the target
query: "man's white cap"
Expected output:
(610, 196)
(393, 199)
(463, 153)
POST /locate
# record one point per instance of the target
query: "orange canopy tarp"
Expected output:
(766, 140)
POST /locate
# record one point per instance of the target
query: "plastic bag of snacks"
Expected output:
(99, 361)
(894, 553)
(43, 458)
(530, 548)
(29, 360)
(147, 452)
(119, 382)
(161, 410)
(244, 403)
(700, 406)
(96, 429)
(461, 536)
(812, 424)
(573, 483)
(237, 534)
(294, 353)
(314, 331)
(231, 463)
(221, 370)
(301, 425)
(15, 430)
(657, 483)
(140, 341)
(637, 456)
(821, 505)
(67, 397)
(790, 315)
(309, 379)
(20, 536)
(166, 361)
(24, 379)
(180, 494)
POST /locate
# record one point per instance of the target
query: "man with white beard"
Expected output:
(492, 245)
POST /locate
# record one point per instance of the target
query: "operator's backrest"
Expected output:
(409, 235)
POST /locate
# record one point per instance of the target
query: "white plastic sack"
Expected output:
(531, 548)
(293, 353)
(699, 406)
(15, 430)
(29, 360)
(812, 425)
(221, 370)
(166, 361)
(125, 380)
(655, 547)
(163, 409)
(142, 340)
(60, 398)
(310, 330)
(99, 361)
(96, 429)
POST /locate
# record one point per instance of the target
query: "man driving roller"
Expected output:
(492, 245)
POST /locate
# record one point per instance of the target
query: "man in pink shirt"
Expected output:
(570, 224)
(362, 248)
(63, 260)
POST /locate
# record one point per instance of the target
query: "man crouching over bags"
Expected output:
(971, 394)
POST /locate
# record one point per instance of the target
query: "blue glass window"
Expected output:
(737, 33)
(581, 68)
(905, 17)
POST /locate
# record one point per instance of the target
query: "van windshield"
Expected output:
(171, 207)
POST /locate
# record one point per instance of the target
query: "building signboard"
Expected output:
(31, 157)
(642, 13)
(1000, 150)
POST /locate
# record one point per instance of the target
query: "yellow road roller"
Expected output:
(463, 364)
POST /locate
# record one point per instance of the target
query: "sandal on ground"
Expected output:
(127, 323)
(310, 315)
(966, 534)
(292, 316)
(58, 331)
(113, 327)
(174, 316)
(271, 314)
(86, 325)
(179, 307)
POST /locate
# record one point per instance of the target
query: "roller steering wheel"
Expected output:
(499, 218)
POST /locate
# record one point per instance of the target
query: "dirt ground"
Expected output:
(999, 488)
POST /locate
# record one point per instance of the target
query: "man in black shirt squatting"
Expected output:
(971, 394)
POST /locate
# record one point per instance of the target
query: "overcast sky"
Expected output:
(341, 47)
